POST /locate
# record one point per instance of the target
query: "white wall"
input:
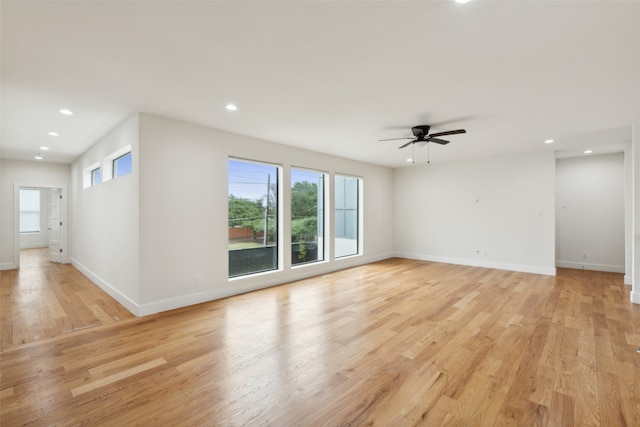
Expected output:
(495, 212)
(41, 239)
(105, 219)
(590, 203)
(144, 237)
(183, 211)
(31, 174)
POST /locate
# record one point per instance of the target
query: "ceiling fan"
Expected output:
(421, 134)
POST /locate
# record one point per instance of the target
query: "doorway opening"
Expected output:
(40, 223)
(590, 212)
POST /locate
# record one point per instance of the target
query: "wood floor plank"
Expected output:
(561, 411)
(101, 382)
(397, 342)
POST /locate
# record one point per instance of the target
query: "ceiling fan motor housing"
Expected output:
(420, 131)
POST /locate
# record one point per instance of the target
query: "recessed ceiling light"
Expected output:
(38, 157)
(66, 112)
(462, 1)
(548, 141)
(54, 133)
(588, 151)
(231, 107)
(44, 148)
(409, 160)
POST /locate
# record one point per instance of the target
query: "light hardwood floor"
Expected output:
(394, 343)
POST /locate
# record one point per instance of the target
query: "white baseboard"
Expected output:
(35, 246)
(102, 284)
(627, 279)
(251, 283)
(187, 300)
(547, 271)
(302, 272)
(8, 266)
(588, 266)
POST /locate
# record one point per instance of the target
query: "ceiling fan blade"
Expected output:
(459, 119)
(438, 141)
(396, 139)
(449, 132)
(408, 143)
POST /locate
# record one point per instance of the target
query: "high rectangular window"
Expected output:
(30, 211)
(122, 165)
(95, 176)
(347, 204)
(307, 216)
(253, 217)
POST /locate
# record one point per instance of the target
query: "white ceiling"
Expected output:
(333, 77)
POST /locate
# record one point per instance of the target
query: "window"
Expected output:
(29, 211)
(253, 217)
(346, 216)
(122, 165)
(95, 176)
(307, 216)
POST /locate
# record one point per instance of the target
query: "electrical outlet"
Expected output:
(477, 251)
(198, 280)
(584, 254)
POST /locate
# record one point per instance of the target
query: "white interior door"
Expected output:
(55, 223)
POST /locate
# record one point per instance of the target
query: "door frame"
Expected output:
(64, 229)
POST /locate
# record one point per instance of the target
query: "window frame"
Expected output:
(358, 216)
(92, 173)
(274, 189)
(114, 165)
(21, 211)
(322, 216)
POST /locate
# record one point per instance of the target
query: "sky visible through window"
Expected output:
(95, 176)
(298, 175)
(248, 180)
(122, 165)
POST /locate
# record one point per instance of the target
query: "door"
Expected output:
(55, 224)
